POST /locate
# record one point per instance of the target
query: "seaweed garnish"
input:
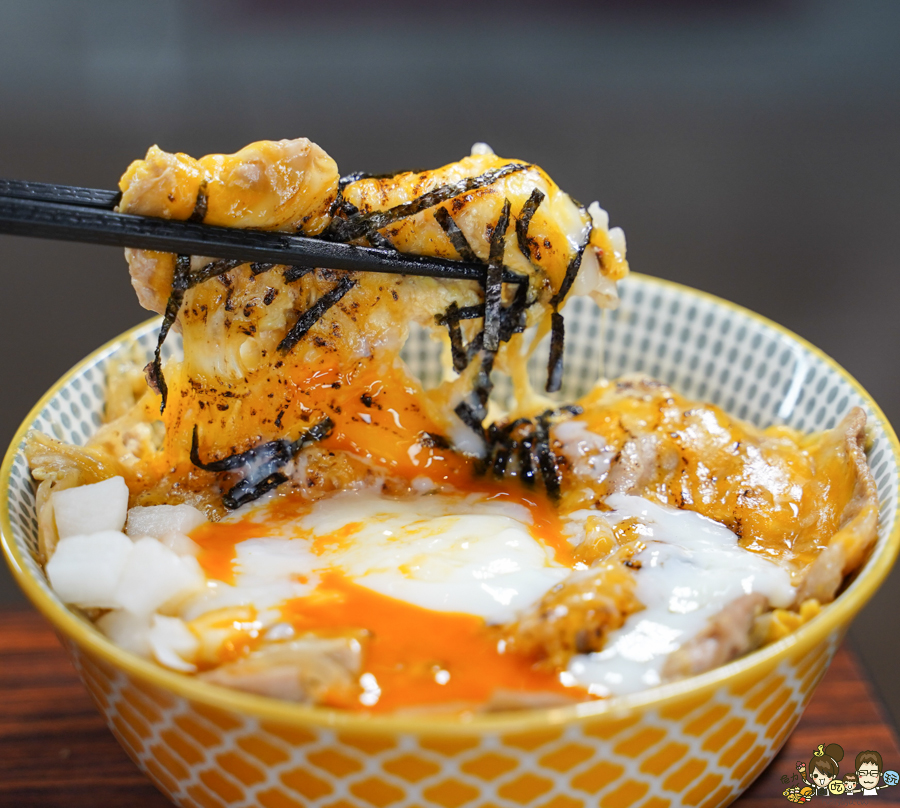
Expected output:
(258, 267)
(545, 457)
(260, 466)
(457, 348)
(359, 224)
(521, 449)
(180, 282)
(573, 266)
(213, 270)
(558, 330)
(524, 220)
(294, 273)
(312, 315)
(493, 284)
(472, 414)
(557, 346)
(457, 237)
(381, 241)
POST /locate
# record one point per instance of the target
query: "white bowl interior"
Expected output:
(704, 348)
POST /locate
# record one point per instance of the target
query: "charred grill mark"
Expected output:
(215, 269)
(493, 284)
(357, 225)
(557, 345)
(524, 220)
(314, 313)
(457, 237)
(180, 284)
(260, 466)
(356, 176)
(198, 214)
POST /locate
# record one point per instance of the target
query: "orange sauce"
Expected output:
(414, 656)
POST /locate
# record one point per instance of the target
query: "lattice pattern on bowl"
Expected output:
(705, 348)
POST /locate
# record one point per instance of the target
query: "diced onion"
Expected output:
(85, 570)
(154, 575)
(159, 520)
(91, 508)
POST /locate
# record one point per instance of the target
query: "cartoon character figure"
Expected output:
(823, 768)
(850, 783)
(869, 770)
(797, 794)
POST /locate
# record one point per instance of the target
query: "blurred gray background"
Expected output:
(750, 149)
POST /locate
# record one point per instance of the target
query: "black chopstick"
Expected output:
(68, 213)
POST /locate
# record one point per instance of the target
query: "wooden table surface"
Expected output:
(55, 749)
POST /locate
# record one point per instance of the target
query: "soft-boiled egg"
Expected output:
(424, 577)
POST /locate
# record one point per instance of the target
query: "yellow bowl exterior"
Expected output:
(698, 742)
(700, 747)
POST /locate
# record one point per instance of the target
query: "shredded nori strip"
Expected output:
(292, 274)
(493, 283)
(573, 267)
(524, 220)
(483, 384)
(471, 416)
(359, 224)
(198, 214)
(381, 241)
(312, 315)
(526, 461)
(545, 457)
(528, 441)
(557, 345)
(457, 349)
(261, 466)
(180, 284)
(512, 317)
(356, 176)
(213, 270)
(474, 346)
(457, 237)
(463, 313)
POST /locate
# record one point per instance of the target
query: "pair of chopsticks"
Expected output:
(69, 213)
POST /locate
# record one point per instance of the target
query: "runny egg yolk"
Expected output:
(417, 657)
(423, 580)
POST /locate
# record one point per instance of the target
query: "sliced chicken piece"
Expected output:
(309, 670)
(726, 637)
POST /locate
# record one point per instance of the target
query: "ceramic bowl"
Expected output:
(696, 742)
